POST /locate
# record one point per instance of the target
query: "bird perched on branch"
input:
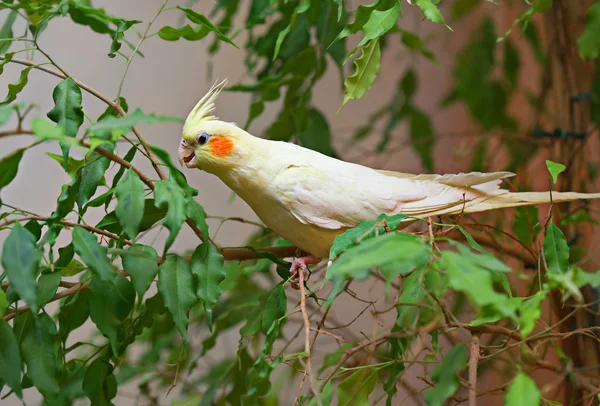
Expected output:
(309, 198)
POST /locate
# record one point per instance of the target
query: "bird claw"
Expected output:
(300, 265)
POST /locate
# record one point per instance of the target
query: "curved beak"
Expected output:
(186, 155)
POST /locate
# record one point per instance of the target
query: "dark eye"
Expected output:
(202, 138)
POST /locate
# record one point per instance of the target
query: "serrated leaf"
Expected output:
(9, 166)
(47, 285)
(176, 285)
(15, 88)
(141, 263)
(207, 265)
(67, 111)
(10, 357)
(275, 307)
(445, 375)
(93, 254)
(589, 42)
(555, 169)
(38, 351)
(99, 383)
(366, 70)
(202, 20)
(21, 262)
(168, 195)
(523, 392)
(556, 250)
(110, 303)
(355, 389)
(130, 203)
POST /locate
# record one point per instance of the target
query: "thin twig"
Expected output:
(473, 361)
(311, 377)
(135, 51)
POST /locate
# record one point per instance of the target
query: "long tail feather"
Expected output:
(506, 200)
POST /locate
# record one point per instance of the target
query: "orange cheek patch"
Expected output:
(220, 146)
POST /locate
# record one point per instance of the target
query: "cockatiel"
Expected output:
(309, 198)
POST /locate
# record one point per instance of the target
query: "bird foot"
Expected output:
(301, 265)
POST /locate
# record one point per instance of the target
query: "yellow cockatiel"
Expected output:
(309, 198)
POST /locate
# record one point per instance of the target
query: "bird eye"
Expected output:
(202, 138)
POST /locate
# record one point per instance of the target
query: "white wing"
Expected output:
(340, 196)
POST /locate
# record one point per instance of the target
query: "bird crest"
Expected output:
(203, 109)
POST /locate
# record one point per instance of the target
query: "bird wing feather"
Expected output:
(340, 197)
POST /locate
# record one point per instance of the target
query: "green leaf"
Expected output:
(15, 88)
(110, 303)
(555, 169)
(174, 174)
(461, 8)
(168, 195)
(392, 253)
(3, 303)
(92, 173)
(9, 166)
(530, 312)
(523, 392)
(130, 203)
(21, 262)
(197, 214)
(467, 273)
(47, 285)
(275, 308)
(526, 224)
(93, 254)
(38, 351)
(422, 137)
(556, 250)
(186, 32)
(152, 214)
(6, 31)
(317, 135)
(10, 357)
(202, 20)
(445, 376)
(300, 8)
(333, 358)
(511, 63)
(355, 389)
(589, 42)
(430, 11)
(67, 111)
(141, 263)
(207, 265)
(366, 70)
(380, 21)
(74, 311)
(126, 123)
(176, 285)
(99, 383)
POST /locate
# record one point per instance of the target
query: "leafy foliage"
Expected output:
(445, 291)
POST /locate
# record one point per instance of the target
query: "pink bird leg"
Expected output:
(301, 264)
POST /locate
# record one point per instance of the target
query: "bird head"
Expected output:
(208, 143)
